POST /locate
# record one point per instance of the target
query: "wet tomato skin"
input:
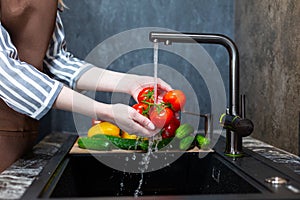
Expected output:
(165, 135)
(176, 98)
(172, 126)
(141, 108)
(146, 95)
(160, 117)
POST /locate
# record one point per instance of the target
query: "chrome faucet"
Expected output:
(233, 138)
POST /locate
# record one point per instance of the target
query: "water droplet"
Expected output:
(133, 157)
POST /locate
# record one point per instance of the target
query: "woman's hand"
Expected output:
(126, 117)
(136, 83)
(129, 120)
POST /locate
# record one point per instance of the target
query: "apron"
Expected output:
(30, 24)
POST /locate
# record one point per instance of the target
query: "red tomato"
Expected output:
(176, 98)
(142, 108)
(160, 116)
(146, 95)
(171, 128)
(165, 135)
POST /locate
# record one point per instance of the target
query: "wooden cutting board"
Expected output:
(77, 150)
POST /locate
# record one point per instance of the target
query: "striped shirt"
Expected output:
(29, 91)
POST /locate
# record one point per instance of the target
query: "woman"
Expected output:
(37, 74)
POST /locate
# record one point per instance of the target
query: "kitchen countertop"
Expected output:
(16, 179)
(277, 155)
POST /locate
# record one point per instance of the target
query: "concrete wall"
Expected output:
(267, 35)
(89, 22)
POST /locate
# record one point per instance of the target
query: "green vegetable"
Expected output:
(144, 145)
(184, 130)
(203, 142)
(122, 143)
(186, 142)
(93, 143)
(107, 142)
(127, 144)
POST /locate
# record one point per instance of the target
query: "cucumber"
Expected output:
(127, 144)
(107, 142)
(97, 141)
(184, 130)
(186, 142)
(144, 145)
(93, 143)
(202, 141)
(99, 136)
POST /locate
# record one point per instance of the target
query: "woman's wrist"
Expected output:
(104, 112)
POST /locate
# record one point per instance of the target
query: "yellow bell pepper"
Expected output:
(105, 128)
(126, 135)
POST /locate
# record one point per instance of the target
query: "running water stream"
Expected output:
(155, 61)
(146, 158)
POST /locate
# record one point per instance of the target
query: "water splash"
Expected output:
(138, 191)
(144, 166)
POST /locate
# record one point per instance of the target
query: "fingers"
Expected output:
(142, 125)
(146, 133)
(149, 81)
(143, 121)
(163, 85)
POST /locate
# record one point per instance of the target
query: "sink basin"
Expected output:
(186, 176)
(192, 176)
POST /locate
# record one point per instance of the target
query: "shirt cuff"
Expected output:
(78, 74)
(49, 101)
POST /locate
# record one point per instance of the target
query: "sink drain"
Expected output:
(276, 180)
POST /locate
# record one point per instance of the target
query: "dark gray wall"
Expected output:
(89, 22)
(267, 34)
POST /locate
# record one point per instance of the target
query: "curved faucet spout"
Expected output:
(233, 140)
(169, 38)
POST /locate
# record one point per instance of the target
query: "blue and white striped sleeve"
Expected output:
(22, 86)
(61, 64)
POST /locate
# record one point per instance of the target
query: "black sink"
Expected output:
(86, 176)
(192, 176)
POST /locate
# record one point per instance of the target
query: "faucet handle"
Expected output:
(244, 127)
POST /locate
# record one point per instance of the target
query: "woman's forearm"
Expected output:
(70, 100)
(98, 79)
(127, 118)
